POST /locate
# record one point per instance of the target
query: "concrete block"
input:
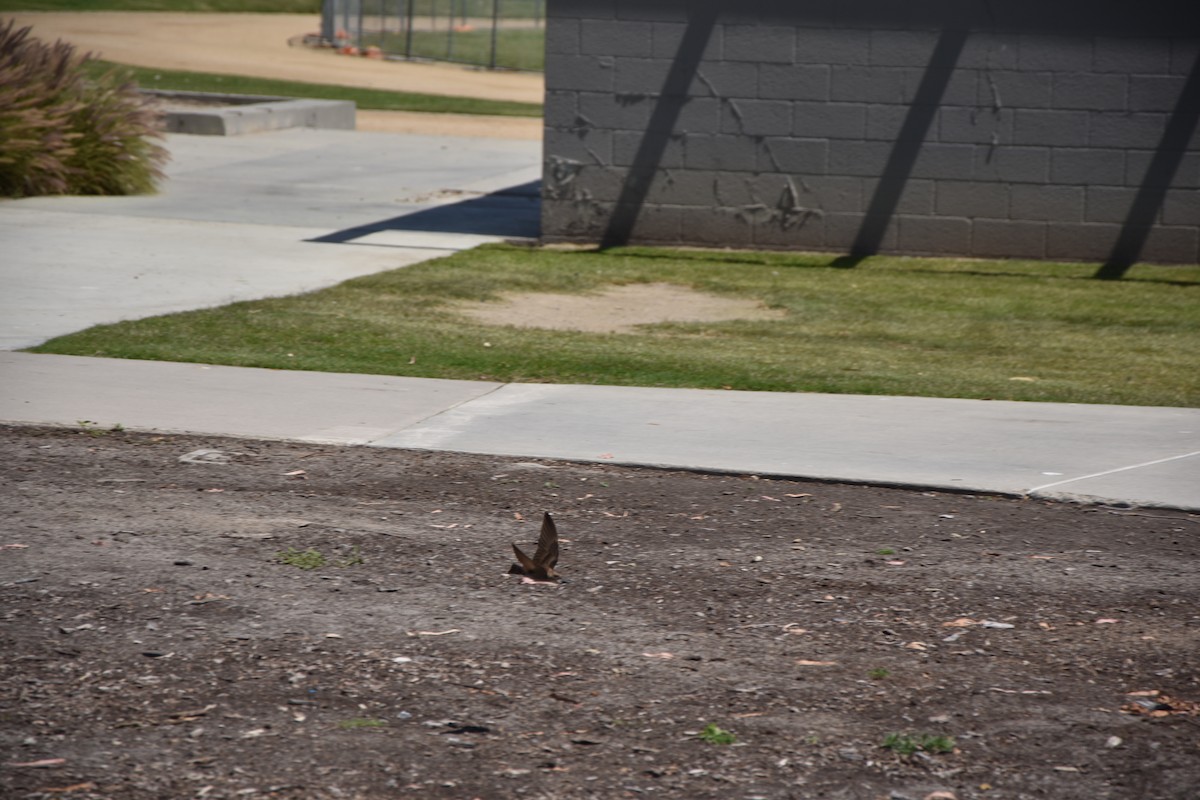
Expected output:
(864, 159)
(585, 145)
(668, 36)
(1082, 241)
(1012, 164)
(989, 51)
(893, 48)
(972, 199)
(1174, 245)
(1185, 52)
(732, 153)
(793, 81)
(238, 114)
(1109, 203)
(916, 197)
(1085, 166)
(681, 187)
(579, 73)
(757, 117)
(1143, 131)
(1155, 92)
(1091, 91)
(726, 79)
(951, 161)
(698, 115)
(1130, 56)
(832, 193)
(1002, 238)
(616, 38)
(561, 110)
(651, 10)
(830, 120)
(1049, 203)
(608, 111)
(868, 84)
(1181, 207)
(1015, 89)
(798, 230)
(844, 46)
(794, 155)
(886, 123)
(1050, 127)
(1055, 53)
(977, 125)
(626, 145)
(563, 36)
(725, 227)
(841, 231)
(1186, 174)
(935, 235)
(647, 76)
(759, 43)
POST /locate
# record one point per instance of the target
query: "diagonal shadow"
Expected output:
(513, 212)
(921, 114)
(702, 17)
(1153, 190)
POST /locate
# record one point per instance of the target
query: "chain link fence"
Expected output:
(496, 34)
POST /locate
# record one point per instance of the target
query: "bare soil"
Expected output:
(268, 46)
(156, 644)
(617, 309)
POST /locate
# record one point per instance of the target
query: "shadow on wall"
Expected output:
(1153, 189)
(921, 114)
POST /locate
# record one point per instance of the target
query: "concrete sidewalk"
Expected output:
(1111, 454)
(291, 211)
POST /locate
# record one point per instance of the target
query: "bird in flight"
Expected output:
(541, 566)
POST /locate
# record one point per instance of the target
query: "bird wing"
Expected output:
(547, 549)
(526, 562)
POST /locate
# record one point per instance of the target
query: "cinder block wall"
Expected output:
(1055, 129)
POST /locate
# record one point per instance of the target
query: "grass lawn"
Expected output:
(378, 99)
(905, 326)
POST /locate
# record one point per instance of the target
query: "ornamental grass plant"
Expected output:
(63, 132)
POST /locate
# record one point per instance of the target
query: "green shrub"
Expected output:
(63, 133)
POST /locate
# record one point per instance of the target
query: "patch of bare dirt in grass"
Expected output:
(617, 309)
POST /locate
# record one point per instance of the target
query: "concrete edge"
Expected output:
(245, 114)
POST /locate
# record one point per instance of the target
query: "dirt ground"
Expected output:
(264, 46)
(157, 644)
(618, 309)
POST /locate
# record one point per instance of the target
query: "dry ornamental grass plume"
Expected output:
(541, 566)
(61, 133)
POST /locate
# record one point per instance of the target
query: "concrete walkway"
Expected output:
(291, 211)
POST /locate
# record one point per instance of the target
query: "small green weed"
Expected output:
(92, 428)
(301, 559)
(715, 735)
(906, 744)
(885, 551)
(357, 723)
(353, 559)
(878, 674)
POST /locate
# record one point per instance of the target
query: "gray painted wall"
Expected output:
(1051, 129)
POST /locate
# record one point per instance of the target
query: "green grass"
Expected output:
(903, 326)
(301, 559)
(516, 48)
(715, 735)
(264, 6)
(375, 99)
(905, 744)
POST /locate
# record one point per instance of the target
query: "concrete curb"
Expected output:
(239, 114)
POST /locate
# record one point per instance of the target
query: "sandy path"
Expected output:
(257, 45)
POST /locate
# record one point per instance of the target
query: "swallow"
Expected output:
(541, 566)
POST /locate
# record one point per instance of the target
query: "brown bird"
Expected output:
(541, 566)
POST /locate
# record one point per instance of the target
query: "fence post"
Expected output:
(495, 27)
(408, 32)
